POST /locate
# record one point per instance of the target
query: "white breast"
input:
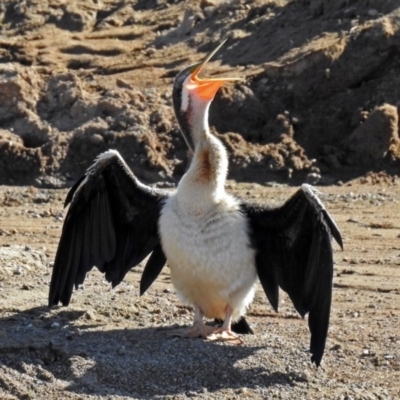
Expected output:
(209, 255)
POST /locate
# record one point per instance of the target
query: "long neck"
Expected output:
(204, 182)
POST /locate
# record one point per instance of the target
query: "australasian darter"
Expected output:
(216, 245)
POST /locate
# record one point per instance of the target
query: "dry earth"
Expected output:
(319, 102)
(319, 96)
(114, 344)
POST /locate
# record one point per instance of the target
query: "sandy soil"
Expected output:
(113, 344)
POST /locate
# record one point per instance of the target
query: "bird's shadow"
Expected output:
(139, 362)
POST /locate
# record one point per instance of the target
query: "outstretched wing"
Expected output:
(112, 223)
(294, 252)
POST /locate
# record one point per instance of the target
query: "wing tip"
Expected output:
(316, 359)
(143, 286)
(242, 327)
(54, 300)
(145, 283)
(317, 352)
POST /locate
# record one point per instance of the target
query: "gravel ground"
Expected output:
(113, 344)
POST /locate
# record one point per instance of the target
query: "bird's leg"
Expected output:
(225, 333)
(199, 328)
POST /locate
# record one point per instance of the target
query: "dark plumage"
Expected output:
(216, 245)
(293, 244)
(111, 224)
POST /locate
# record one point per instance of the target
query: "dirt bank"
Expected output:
(78, 78)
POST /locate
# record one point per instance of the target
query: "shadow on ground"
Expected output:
(93, 359)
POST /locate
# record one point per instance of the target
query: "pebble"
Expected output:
(372, 12)
(90, 315)
(313, 178)
(96, 138)
(209, 11)
(18, 271)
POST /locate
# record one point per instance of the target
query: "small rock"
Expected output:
(206, 3)
(372, 141)
(90, 315)
(313, 178)
(96, 138)
(124, 84)
(150, 51)
(209, 11)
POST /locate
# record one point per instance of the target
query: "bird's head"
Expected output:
(192, 96)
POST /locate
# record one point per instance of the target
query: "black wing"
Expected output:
(112, 223)
(294, 252)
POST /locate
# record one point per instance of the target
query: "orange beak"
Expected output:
(206, 88)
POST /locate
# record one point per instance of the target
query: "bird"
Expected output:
(217, 246)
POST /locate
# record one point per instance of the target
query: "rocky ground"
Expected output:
(114, 344)
(319, 102)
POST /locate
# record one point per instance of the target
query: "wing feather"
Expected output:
(74, 260)
(152, 269)
(112, 223)
(294, 252)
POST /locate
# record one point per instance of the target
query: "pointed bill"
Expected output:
(207, 87)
